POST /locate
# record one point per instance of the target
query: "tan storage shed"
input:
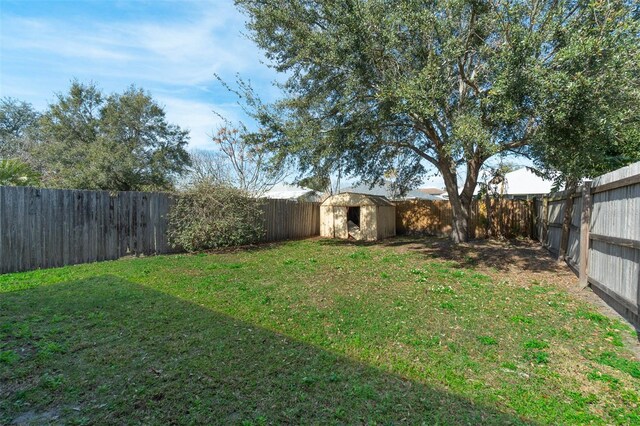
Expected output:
(358, 216)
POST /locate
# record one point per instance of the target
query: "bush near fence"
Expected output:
(208, 216)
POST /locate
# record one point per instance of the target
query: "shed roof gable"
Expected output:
(349, 199)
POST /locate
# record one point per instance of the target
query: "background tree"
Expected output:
(120, 142)
(238, 160)
(146, 151)
(69, 131)
(208, 166)
(18, 128)
(446, 84)
(249, 166)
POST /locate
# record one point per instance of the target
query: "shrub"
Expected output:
(207, 216)
(14, 172)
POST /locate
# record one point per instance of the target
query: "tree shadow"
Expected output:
(500, 255)
(105, 350)
(339, 242)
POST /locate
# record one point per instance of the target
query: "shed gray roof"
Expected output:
(352, 199)
(386, 191)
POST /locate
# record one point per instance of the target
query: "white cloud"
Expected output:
(173, 57)
(183, 51)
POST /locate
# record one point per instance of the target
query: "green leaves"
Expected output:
(17, 128)
(209, 216)
(119, 142)
(14, 172)
(448, 82)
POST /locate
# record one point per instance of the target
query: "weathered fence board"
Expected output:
(573, 247)
(43, 228)
(614, 254)
(286, 219)
(609, 238)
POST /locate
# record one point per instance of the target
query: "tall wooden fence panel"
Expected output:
(509, 218)
(540, 213)
(550, 222)
(555, 215)
(286, 219)
(42, 228)
(423, 216)
(614, 237)
(603, 243)
(573, 246)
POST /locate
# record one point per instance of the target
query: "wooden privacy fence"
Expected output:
(286, 219)
(602, 243)
(44, 228)
(508, 218)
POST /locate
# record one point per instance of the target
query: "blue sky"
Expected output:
(170, 48)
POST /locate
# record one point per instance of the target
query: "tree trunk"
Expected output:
(460, 221)
(459, 214)
(460, 203)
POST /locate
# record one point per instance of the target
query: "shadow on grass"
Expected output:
(104, 350)
(248, 248)
(501, 255)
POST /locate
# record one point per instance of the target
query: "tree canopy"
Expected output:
(18, 125)
(374, 85)
(239, 161)
(118, 142)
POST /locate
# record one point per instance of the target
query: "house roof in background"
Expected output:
(432, 191)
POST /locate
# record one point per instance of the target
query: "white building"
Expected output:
(523, 182)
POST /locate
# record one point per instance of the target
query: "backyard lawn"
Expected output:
(313, 331)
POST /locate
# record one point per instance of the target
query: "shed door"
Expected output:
(340, 222)
(326, 225)
(369, 222)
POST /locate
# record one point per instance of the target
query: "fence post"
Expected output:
(545, 219)
(532, 218)
(585, 225)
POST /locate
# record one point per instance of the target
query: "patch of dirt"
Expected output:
(492, 255)
(33, 418)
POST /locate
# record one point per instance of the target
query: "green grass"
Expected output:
(305, 332)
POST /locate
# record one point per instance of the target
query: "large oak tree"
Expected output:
(374, 85)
